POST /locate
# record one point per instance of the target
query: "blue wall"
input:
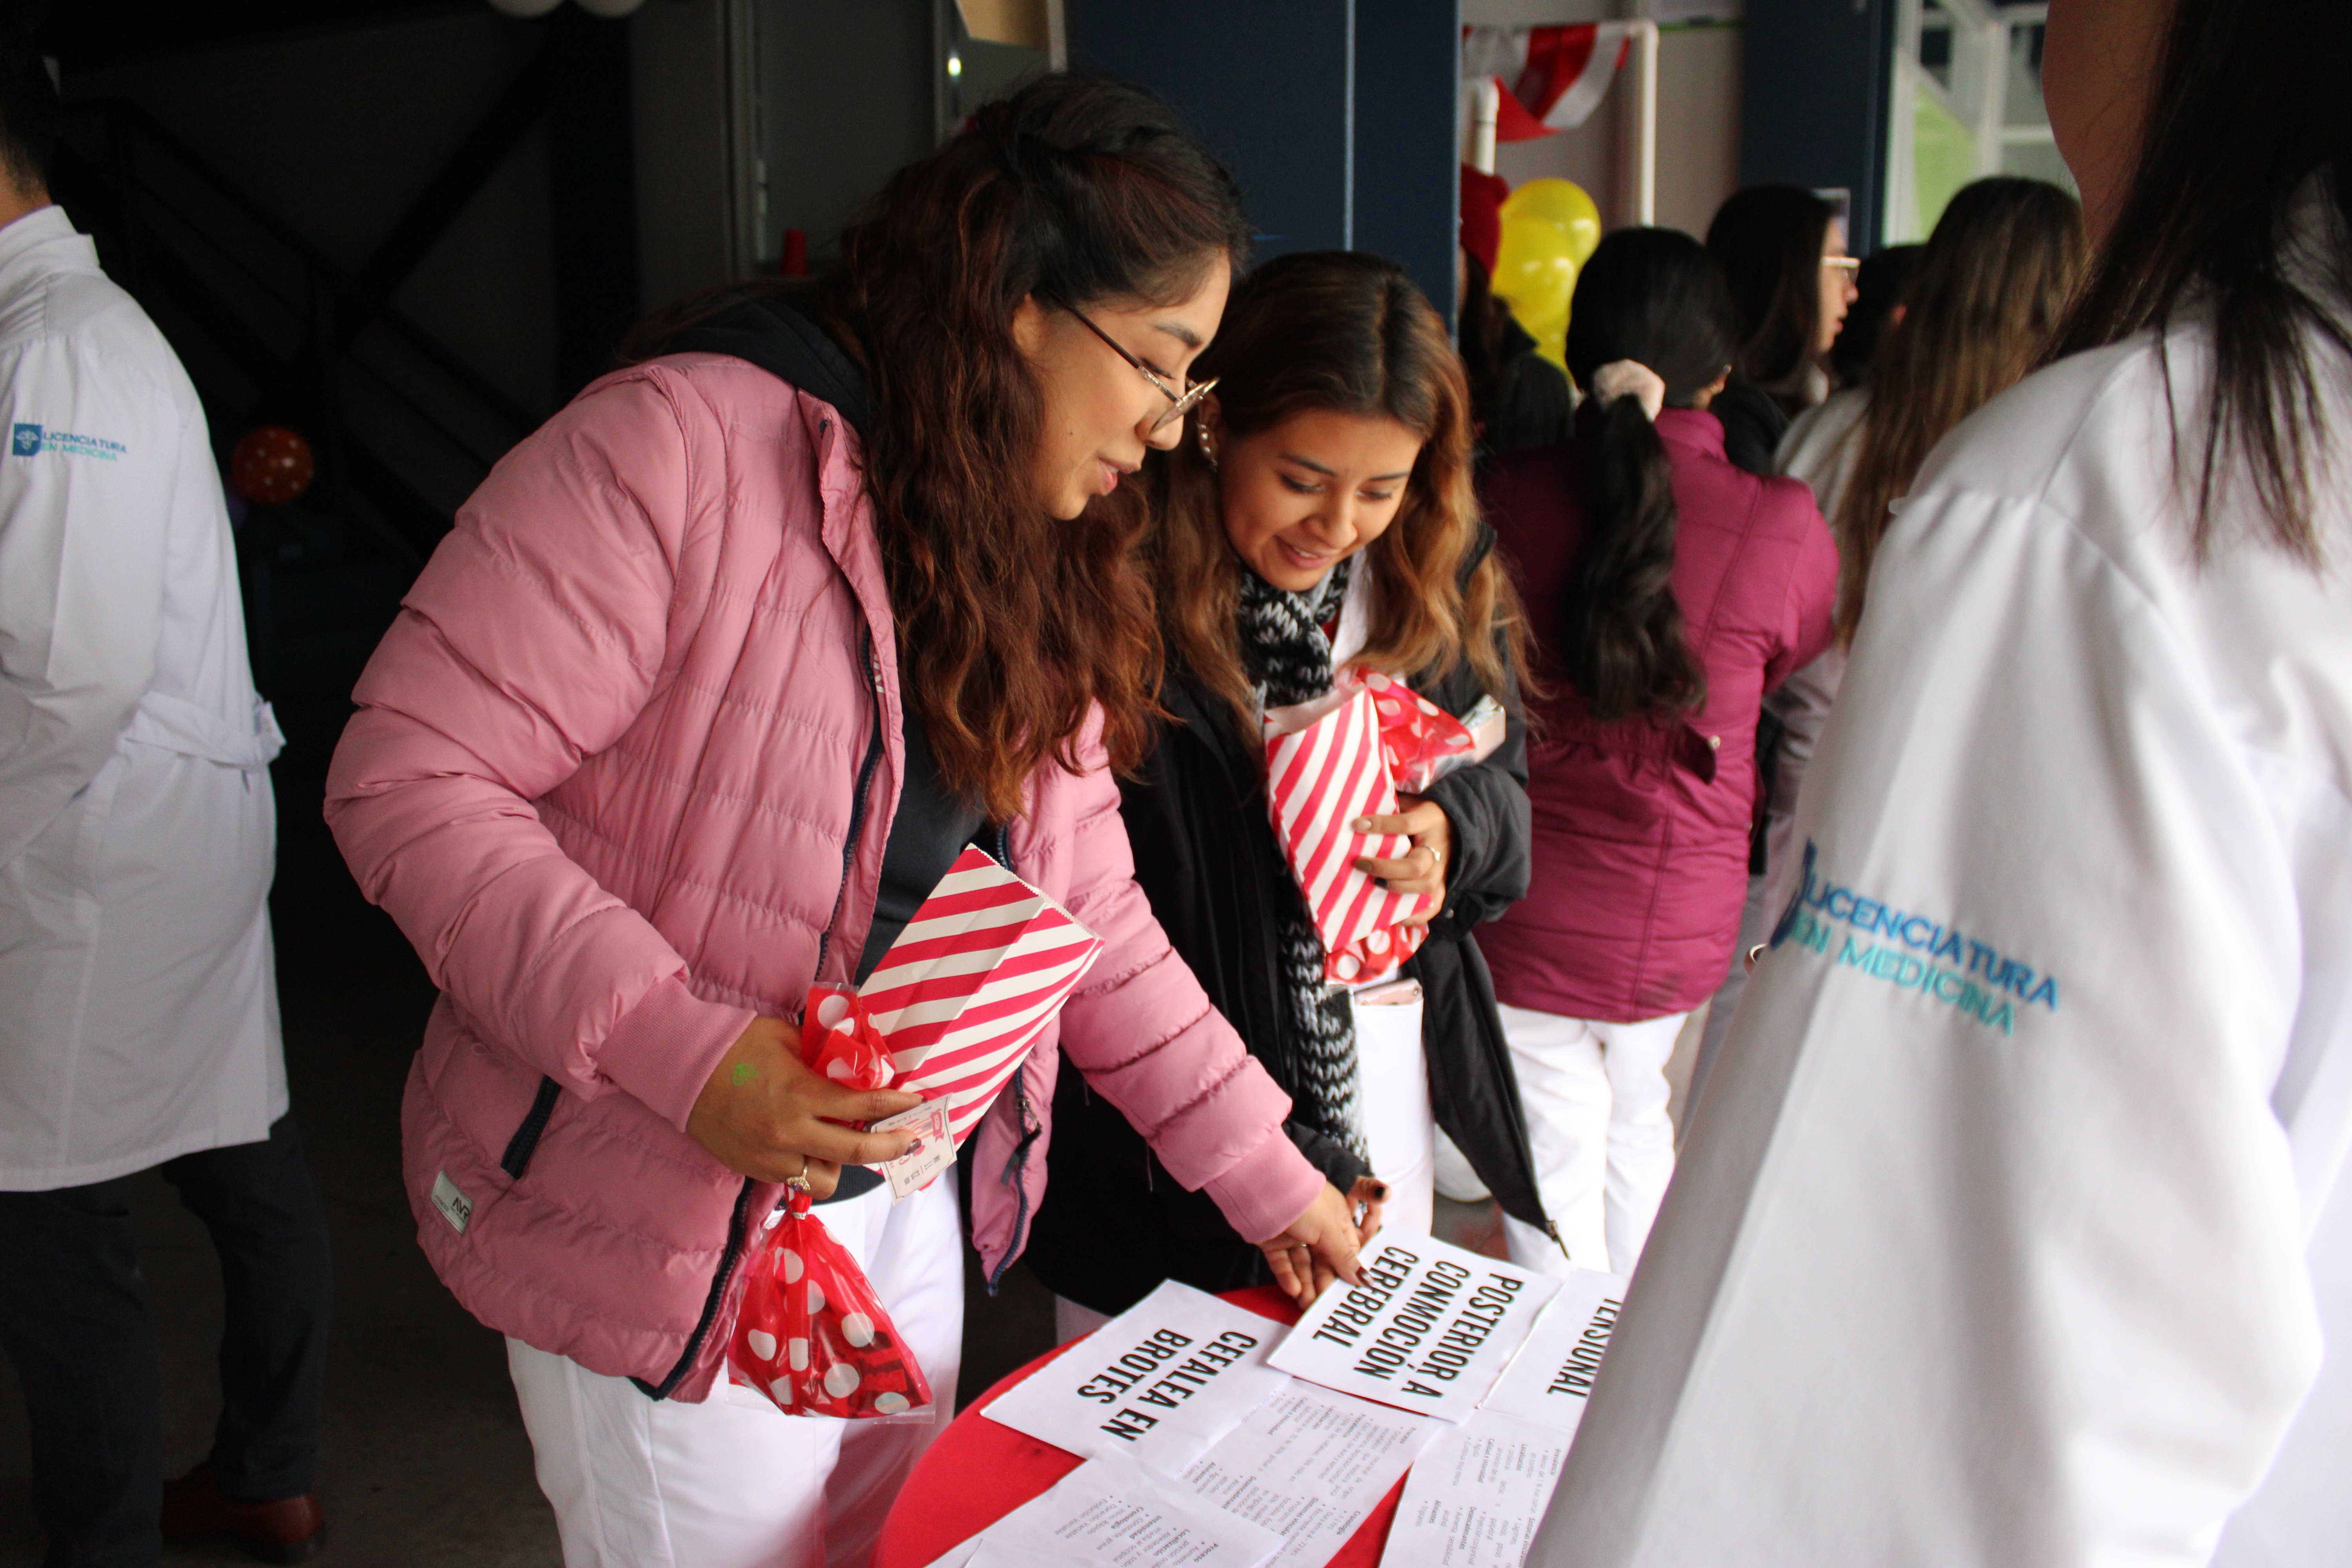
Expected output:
(1407, 55)
(1813, 101)
(1337, 116)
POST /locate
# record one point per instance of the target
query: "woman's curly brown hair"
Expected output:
(1348, 333)
(1012, 625)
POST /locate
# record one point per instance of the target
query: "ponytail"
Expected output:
(1626, 649)
(1654, 297)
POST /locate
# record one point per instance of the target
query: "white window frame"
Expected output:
(1977, 97)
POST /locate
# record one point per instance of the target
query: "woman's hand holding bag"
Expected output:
(767, 1115)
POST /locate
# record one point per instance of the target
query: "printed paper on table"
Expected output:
(1160, 1383)
(1311, 1465)
(1429, 1329)
(1475, 1498)
(1113, 1511)
(1551, 1376)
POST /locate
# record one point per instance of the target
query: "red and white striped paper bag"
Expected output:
(984, 965)
(1320, 778)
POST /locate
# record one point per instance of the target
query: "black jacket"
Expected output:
(1529, 404)
(1753, 422)
(1114, 1223)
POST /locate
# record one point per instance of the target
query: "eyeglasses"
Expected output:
(1846, 264)
(1179, 404)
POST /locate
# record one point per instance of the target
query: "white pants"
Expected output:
(1595, 1096)
(734, 1482)
(1399, 1134)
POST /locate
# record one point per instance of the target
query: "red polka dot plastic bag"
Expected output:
(1330, 762)
(840, 1039)
(1423, 741)
(812, 1333)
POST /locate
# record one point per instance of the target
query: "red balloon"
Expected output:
(271, 466)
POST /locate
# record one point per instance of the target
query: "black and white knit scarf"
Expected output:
(1287, 656)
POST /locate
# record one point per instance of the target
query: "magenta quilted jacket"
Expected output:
(606, 775)
(1640, 830)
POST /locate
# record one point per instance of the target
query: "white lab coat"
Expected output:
(1967, 1269)
(138, 1002)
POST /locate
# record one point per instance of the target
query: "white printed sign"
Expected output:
(1160, 1382)
(1428, 1330)
(1114, 1512)
(1552, 1374)
(1475, 1498)
(1310, 1466)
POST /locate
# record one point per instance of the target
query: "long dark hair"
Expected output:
(1348, 333)
(1882, 285)
(1993, 284)
(1482, 326)
(1656, 296)
(1013, 627)
(2248, 107)
(28, 111)
(1769, 240)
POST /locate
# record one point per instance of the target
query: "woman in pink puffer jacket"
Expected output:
(716, 674)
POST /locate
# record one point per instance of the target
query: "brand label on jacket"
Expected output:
(31, 440)
(454, 1206)
(1911, 951)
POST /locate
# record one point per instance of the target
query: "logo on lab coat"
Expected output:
(31, 440)
(1971, 975)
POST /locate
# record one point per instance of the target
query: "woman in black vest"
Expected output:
(1319, 515)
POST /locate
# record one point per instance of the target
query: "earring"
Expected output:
(1202, 431)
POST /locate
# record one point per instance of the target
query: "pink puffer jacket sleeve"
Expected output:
(1143, 1032)
(531, 640)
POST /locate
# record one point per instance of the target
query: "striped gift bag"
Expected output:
(978, 974)
(1319, 779)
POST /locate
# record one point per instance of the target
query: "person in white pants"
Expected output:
(1668, 590)
(734, 1482)
(1596, 1096)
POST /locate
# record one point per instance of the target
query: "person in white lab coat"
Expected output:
(2014, 1228)
(138, 1002)
(1988, 293)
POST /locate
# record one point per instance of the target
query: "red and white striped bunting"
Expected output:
(984, 965)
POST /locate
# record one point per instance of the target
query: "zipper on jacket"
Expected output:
(726, 1262)
(857, 803)
(734, 1252)
(1012, 1178)
(520, 1148)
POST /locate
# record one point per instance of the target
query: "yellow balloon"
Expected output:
(1561, 202)
(1535, 273)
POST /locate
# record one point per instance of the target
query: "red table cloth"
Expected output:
(977, 1472)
